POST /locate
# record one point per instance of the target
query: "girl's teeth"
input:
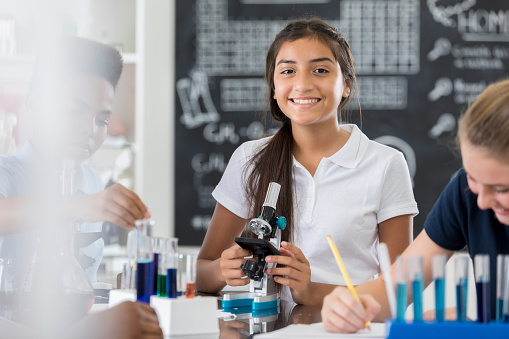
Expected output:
(305, 101)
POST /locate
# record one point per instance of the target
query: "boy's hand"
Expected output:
(134, 320)
(125, 321)
(116, 204)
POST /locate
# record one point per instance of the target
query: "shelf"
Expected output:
(130, 58)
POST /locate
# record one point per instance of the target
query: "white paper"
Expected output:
(318, 331)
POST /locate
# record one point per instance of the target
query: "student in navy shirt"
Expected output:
(472, 211)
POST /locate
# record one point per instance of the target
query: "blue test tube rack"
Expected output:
(446, 330)
(462, 328)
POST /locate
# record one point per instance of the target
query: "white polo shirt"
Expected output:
(352, 191)
(17, 172)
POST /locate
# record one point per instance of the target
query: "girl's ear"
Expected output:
(346, 91)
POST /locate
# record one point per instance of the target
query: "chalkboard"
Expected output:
(419, 63)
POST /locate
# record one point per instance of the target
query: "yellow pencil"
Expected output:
(344, 273)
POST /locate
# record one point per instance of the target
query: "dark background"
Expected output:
(221, 45)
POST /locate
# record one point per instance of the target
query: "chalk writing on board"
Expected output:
(197, 105)
(418, 64)
(203, 165)
(444, 14)
(443, 87)
(446, 122)
(384, 36)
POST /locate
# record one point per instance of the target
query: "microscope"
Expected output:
(262, 295)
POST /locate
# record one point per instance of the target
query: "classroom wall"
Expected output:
(419, 63)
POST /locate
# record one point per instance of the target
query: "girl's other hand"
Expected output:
(230, 262)
(342, 313)
(296, 274)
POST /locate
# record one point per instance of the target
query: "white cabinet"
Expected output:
(144, 30)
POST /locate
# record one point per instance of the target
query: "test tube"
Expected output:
(171, 268)
(129, 281)
(125, 282)
(190, 275)
(502, 278)
(402, 290)
(181, 277)
(162, 273)
(438, 272)
(505, 304)
(461, 287)
(158, 245)
(144, 270)
(482, 282)
(415, 275)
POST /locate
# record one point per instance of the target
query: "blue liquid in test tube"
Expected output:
(461, 299)
(171, 283)
(154, 273)
(144, 280)
(482, 282)
(461, 287)
(483, 302)
(417, 279)
(440, 299)
(438, 270)
(502, 287)
(402, 288)
(144, 266)
(417, 288)
(402, 295)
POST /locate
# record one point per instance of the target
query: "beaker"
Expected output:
(54, 276)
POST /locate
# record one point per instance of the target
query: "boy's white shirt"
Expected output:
(15, 181)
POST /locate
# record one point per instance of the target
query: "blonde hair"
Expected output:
(486, 121)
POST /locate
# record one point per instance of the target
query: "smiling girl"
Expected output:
(472, 211)
(334, 180)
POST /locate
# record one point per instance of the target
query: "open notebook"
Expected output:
(318, 331)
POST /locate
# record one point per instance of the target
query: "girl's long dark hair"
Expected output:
(274, 162)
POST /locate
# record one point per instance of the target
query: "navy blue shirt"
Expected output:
(456, 221)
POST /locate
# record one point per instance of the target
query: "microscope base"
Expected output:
(257, 301)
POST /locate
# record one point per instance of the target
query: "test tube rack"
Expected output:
(445, 330)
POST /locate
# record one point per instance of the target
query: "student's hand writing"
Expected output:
(296, 274)
(342, 313)
(230, 262)
(115, 204)
(129, 320)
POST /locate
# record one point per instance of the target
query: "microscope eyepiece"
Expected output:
(266, 222)
(272, 195)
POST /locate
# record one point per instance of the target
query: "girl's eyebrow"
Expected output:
(494, 186)
(284, 61)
